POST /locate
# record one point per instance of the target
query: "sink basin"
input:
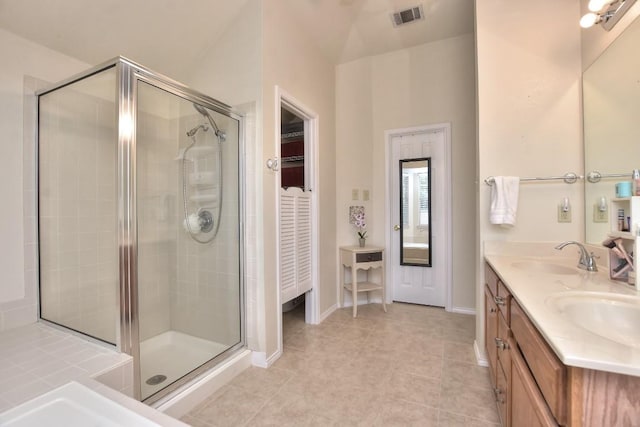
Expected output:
(615, 317)
(544, 267)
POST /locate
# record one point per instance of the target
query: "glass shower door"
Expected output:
(189, 287)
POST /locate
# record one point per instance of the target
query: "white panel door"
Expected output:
(418, 284)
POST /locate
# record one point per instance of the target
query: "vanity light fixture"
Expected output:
(605, 12)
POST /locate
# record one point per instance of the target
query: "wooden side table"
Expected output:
(357, 258)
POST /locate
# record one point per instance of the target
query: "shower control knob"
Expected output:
(206, 221)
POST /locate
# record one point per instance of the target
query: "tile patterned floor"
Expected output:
(412, 366)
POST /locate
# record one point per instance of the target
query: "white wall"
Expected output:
(427, 84)
(295, 64)
(529, 121)
(18, 294)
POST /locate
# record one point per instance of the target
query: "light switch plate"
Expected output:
(355, 194)
(365, 195)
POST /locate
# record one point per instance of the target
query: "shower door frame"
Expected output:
(128, 74)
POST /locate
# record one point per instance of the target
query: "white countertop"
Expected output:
(574, 345)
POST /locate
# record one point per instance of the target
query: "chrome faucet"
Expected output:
(587, 261)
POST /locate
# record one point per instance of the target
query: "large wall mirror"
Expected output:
(415, 212)
(611, 97)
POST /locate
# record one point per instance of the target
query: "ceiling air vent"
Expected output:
(406, 16)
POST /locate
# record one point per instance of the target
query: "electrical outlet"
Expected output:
(355, 194)
(365, 195)
(564, 215)
(599, 215)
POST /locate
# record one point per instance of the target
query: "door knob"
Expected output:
(396, 227)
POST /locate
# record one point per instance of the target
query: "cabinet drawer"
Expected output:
(549, 373)
(502, 396)
(369, 257)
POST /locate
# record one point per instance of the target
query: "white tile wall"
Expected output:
(79, 268)
(205, 299)
(24, 311)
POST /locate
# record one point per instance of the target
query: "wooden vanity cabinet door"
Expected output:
(502, 396)
(549, 372)
(528, 407)
(490, 332)
(491, 279)
(503, 301)
(503, 346)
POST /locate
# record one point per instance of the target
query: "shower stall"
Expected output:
(139, 220)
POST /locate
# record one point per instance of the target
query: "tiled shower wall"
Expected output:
(205, 300)
(77, 206)
(24, 311)
(185, 286)
(157, 221)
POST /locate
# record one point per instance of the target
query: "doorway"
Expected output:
(419, 215)
(296, 137)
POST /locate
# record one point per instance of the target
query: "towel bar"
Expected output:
(568, 177)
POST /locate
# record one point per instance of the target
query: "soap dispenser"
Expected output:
(636, 182)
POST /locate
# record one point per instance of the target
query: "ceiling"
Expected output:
(349, 29)
(151, 30)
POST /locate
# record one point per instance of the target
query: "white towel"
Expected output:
(504, 200)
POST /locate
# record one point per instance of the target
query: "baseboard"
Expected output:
(275, 356)
(362, 300)
(328, 312)
(259, 358)
(464, 310)
(480, 356)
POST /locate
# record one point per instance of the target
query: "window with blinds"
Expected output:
(423, 191)
(405, 199)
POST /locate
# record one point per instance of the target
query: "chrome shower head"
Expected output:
(202, 110)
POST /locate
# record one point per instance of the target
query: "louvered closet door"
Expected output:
(295, 243)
